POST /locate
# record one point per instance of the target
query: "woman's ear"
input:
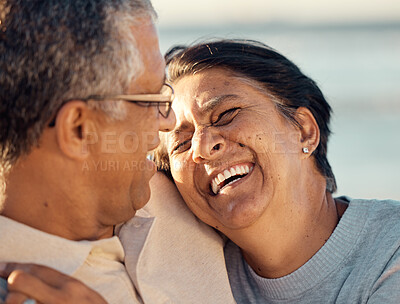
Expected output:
(72, 126)
(310, 135)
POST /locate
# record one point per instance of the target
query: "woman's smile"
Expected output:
(230, 177)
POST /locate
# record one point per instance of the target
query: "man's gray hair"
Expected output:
(55, 50)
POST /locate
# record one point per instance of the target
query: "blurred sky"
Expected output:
(217, 12)
(357, 68)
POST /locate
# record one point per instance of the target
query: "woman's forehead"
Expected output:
(208, 89)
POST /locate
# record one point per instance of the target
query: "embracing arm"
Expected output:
(45, 285)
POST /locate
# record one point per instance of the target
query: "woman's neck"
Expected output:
(279, 243)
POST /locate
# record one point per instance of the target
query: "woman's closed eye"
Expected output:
(223, 119)
(226, 117)
(182, 147)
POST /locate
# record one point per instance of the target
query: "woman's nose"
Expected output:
(207, 145)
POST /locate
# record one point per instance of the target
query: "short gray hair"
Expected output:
(55, 50)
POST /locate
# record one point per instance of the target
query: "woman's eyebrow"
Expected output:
(208, 106)
(215, 101)
(182, 128)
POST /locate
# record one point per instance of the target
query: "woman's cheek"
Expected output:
(179, 168)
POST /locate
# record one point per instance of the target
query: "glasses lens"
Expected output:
(164, 109)
(166, 90)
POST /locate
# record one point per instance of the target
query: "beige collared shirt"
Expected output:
(99, 264)
(170, 256)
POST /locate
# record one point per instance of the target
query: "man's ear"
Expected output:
(309, 131)
(72, 126)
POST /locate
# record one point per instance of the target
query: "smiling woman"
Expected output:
(249, 156)
(235, 133)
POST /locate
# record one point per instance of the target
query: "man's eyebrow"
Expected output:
(215, 101)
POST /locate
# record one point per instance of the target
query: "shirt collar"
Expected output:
(134, 235)
(23, 244)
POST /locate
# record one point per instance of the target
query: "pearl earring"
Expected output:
(305, 150)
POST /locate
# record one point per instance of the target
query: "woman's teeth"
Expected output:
(220, 181)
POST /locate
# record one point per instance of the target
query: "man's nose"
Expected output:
(207, 145)
(167, 123)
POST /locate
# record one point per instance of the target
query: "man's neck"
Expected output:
(56, 224)
(38, 199)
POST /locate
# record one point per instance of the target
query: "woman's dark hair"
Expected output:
(274, 73)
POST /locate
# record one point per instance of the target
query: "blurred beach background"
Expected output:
(351, 48)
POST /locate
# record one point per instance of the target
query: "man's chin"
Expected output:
(140, 201)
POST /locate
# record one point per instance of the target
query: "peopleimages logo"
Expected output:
(125, 142)
(129, 142)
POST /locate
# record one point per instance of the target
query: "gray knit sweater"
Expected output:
(360, 263)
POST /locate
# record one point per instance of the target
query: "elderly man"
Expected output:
(80, 107)
(82, 99)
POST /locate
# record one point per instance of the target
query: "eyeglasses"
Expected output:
(163, 100)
